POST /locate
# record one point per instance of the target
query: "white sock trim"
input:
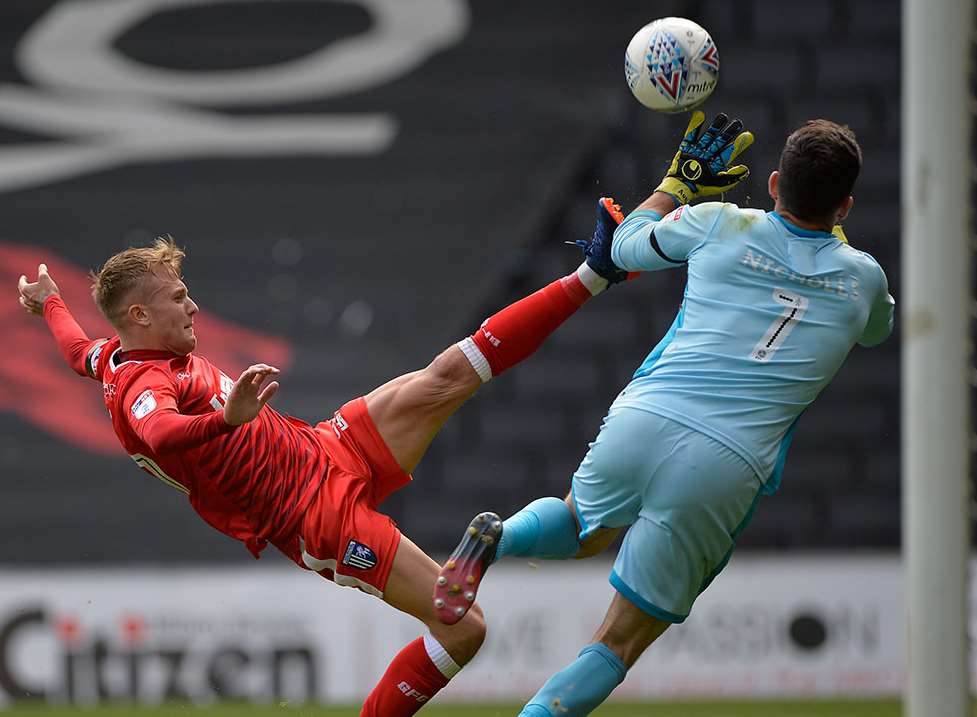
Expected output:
(476, 358)
(440, 657)
(594, 282)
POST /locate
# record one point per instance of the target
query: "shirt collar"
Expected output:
(798, 231)
(146, 355)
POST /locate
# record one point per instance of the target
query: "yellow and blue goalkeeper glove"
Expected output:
(701, 168)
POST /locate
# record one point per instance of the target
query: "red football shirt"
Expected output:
(251, 482)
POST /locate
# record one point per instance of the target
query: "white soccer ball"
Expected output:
(671, 65)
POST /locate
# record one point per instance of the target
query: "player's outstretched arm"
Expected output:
(659, 202)
(43, 298)
(646, 241)
(250, 393)
(33, 294)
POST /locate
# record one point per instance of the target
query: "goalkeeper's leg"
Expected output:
(601, 666)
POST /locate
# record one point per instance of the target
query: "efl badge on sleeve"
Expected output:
(144, 405)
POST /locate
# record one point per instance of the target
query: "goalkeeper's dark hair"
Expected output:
(818, 168)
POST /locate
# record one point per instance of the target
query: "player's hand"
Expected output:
(250, 393)
(33, 294)
(701, 168)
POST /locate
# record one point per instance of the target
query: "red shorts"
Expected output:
(343, 536)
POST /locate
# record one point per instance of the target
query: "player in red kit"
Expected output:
(311, 491)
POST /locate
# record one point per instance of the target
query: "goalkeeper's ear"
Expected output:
(772, 185)
(845, 208)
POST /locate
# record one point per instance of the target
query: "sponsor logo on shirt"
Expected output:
(144, 405)
(359, 556)
(677, 214)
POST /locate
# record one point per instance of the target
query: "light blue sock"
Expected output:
(543, 529)
(581, 687)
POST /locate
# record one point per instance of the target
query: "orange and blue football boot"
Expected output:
(597, 249)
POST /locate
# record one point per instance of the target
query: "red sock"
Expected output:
(410, 681)
(513, 334)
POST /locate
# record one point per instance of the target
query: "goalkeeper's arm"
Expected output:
(880, 320)
(700, 168)
(646, 241)
(661, 203)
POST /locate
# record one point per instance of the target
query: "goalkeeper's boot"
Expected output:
(598, 249)
(459, 578)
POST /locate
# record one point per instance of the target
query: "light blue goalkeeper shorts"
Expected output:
(685, 496)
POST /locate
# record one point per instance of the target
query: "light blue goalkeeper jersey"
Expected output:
(769, 314)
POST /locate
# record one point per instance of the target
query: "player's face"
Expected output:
(171, 312)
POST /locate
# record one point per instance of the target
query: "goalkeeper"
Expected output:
(774, 302)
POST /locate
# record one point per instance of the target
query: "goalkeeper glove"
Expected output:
(701, 168)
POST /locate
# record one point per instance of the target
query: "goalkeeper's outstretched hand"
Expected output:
(701, 168)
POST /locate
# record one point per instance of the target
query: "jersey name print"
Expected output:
(843, 285)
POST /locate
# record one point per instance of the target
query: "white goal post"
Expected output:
(936, 351)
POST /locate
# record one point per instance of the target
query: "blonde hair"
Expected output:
(125, 271)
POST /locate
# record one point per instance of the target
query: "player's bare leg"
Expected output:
(428, 663)
(409, 590)
(496, 346)
(409, 410)
(601, 666)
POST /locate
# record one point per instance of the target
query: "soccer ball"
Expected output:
(671, 65)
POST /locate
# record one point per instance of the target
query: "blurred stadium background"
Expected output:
(358, 184)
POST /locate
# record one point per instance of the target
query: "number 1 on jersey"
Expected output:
(794, 307)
